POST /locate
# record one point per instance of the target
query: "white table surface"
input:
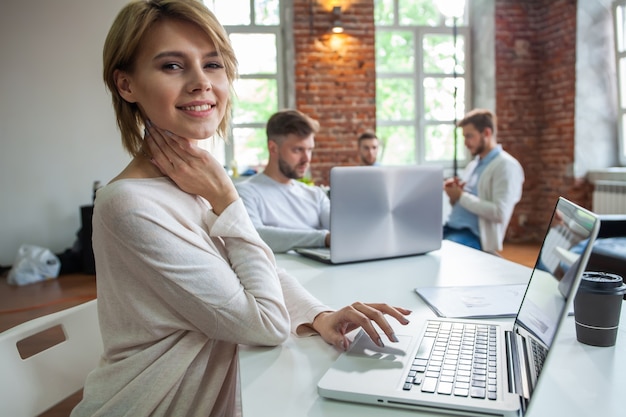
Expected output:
(579, 380)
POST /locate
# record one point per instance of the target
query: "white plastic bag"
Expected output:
(33, 264)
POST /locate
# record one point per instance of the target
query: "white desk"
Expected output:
(579, 380)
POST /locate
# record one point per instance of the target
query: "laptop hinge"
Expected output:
(517, 364)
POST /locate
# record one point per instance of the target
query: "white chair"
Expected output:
(32, 385)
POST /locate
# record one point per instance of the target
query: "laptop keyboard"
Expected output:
(539, 356)
(456, 359)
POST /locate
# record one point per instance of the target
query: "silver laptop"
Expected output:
(382, 212)
(469, 367)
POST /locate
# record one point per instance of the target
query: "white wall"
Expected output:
(57, 128)
(596, 88)
(483, 50)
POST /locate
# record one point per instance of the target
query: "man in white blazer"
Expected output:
(484, 197)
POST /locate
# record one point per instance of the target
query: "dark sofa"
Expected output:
(609, 251)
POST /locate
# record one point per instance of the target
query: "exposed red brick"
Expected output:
(536, 85)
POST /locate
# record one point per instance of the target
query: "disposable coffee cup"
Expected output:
(597, 307)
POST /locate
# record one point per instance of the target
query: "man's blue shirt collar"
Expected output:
(491, 155)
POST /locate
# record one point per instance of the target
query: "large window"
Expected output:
(619, 16)
(254, 27)
(422, 80)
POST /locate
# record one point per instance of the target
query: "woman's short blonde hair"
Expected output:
(120, 51)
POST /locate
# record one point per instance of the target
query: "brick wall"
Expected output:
(535, 83)
(535, 95)
(335, 79)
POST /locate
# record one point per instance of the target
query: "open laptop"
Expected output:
(469, 367)
(382, 212)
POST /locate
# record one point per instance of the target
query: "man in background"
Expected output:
(286, 212)
(491, 185)
(368, 145)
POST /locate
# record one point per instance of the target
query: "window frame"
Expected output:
(620, 56)
(419, 122)
(279, 76)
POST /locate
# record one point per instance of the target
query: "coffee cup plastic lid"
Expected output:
(603, 282)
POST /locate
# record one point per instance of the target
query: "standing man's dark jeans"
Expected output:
(462, 236)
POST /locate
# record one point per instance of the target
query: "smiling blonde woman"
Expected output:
(182, 276)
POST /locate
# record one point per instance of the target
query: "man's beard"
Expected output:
(481, 148)
(288, 171)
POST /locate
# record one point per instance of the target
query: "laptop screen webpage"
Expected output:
(557, 269)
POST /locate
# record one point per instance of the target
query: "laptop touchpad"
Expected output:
(363, 346)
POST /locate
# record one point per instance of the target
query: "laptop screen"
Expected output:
(562, 253)
(386, 211)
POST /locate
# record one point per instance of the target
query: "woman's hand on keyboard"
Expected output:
(333, 326)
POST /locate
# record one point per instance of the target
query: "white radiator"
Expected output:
(609, 197)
